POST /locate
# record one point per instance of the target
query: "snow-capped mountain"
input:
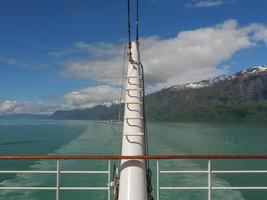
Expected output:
(111, 103)
(240, 96)
(254, 70)
(200, 84)
(209, 82)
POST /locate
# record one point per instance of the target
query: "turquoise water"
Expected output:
(87, 137)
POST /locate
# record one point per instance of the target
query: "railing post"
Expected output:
(58, 181)
(209, 180)
(108, 179)
(158, 174)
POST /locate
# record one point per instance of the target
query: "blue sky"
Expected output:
(68, 54)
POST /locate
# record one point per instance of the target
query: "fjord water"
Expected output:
(47, 137)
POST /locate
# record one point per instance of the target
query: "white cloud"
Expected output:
(206, 3)
(100, 49)
(260, 32)
(83, 98)
(91, 96)
(103, 71)
(7, 106)
(11, 107)
(190, 56)
(196, 3)
(24, 64)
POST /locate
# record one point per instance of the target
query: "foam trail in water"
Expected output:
(98, 142)
(187, 180)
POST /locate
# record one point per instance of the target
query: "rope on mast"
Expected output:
(137, 22)
(114, 184)
(129, 32)
(148, 170)
(118, 147)
(115, 181)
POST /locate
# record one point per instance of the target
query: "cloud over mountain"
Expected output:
(189, 56)
(91, 96)
(11, 107)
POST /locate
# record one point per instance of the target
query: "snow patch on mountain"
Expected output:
(254, 70)
(206, 83)
(108, 104)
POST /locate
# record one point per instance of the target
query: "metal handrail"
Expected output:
(210, 172)
(117, 157)
(58, 172)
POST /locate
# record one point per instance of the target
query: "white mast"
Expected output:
(133, 184)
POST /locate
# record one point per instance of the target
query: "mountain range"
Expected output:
(240, 96)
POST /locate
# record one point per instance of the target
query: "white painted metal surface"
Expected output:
(58, 181)
(133, 172)
(209, 188)
(158, 174)
(209, 180)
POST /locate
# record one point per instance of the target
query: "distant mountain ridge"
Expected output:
(99, 112)
(240, 96)
(249, 84)
(209, 82)
(23, 116)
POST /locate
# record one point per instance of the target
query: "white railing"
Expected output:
(209, 172)
(159, 172)
(58, 172)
